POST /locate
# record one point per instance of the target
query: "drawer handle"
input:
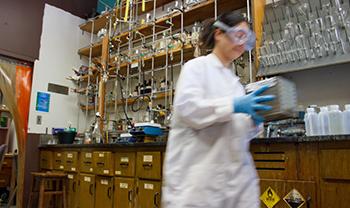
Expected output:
(130, 195)
(124, 164)
(87, 162)
(109, 192)
(68, 161)
(58, 160)
(147, 165)
(100, 164)
(308, 202)
(74, 186)
(155, 201)
(90, 189)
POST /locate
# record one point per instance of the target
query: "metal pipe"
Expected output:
(89, 74)
(250, 52)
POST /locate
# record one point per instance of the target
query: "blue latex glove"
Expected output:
(250, 104)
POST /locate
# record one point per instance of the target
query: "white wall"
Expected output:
(323, 86)
(60, 40)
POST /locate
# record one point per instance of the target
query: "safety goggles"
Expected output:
(238, 35)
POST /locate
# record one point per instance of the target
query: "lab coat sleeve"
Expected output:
(191, 105)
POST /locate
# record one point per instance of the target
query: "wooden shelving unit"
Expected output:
(199, 12)
(129, 101)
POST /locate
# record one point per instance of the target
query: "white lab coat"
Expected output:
(207, 161)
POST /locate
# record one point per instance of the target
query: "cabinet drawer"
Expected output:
(103, 163)
(86, 162)
(334, 164)
(46, 160)
(149, 193)
(124, 192)
(58, 163)
(71, 161)
(125, 164)
(149, 165)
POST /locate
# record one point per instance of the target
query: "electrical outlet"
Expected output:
(39, 120)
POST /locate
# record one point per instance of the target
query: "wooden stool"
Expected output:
(54, 179)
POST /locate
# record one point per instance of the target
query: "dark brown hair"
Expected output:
(207, 35)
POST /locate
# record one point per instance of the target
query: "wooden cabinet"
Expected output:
(104, 192)
(86, 162)
(103, 163)
(335, 164)
(71, 161)
(149, 194)
(46, 160)
(275, 161)
(149, 165)
(124, 192)
(125, 164)
(72, 193)
(58, 163)
(86, 191)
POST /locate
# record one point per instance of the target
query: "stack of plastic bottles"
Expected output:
(328, 120)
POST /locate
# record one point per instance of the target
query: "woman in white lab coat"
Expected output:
(207, 162)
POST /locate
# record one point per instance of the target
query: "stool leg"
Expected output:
(41, 193)
(32, 187)
(64, 189)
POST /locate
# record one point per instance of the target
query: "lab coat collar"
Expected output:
(216, 61)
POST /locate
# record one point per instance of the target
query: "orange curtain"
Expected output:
(23, 92)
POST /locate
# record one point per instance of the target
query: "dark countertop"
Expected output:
(116, 145)
(331, 138)
(163, 144)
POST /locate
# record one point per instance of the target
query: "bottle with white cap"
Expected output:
(346, 119)
(324, 121)
(335, 120)
(312, 125)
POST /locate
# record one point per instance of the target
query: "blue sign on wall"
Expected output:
(43, 102)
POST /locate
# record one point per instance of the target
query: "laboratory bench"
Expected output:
(317, 169)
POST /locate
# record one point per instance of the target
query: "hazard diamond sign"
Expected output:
(294, 199)
(270, 198)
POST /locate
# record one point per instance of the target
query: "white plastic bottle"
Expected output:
(324, 121)
(335, 120)
(312, 122)
(346, 119)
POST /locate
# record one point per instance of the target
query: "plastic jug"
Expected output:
(312, 122)
(346, 119)
(335, 120)
(324, 121)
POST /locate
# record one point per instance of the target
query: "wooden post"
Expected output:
(258, 10)
(102, 83)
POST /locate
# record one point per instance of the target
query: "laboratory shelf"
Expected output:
(307, 65)
(199, 12)
(129, 101)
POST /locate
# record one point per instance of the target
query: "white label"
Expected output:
(118, 172)
(148, 186)
(87, 179)
(69, 155)
(106, 171)
(124, 159)
(147, 158)
(61, 167)
(70, 176)
(104, 182)
(58, 154)
(73, 169)
(91, 169)
(88, 155)
(134, 65)
(101, 155)
(123, 185)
